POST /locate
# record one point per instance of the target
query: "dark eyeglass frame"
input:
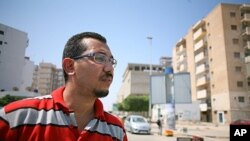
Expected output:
(94, 56)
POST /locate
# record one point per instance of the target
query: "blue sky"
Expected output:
(125, 24)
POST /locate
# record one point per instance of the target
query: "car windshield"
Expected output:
(138, 119)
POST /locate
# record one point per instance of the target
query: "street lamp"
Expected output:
(150, 51)
(150, 73)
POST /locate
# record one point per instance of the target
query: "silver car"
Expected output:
(137, 124)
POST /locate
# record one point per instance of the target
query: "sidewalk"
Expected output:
(200, 129)
(203, 129)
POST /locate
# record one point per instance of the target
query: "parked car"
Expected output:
(137, 124)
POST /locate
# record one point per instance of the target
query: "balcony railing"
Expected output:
(247, 45)
(245, 17)
(202, 94)
(202, 81)
(246, 31)
(199, 45)
(247, 59)
(199, 33)
(199, 57)
(180, 49)
(201, 69)
(183, 67)
(245, 7)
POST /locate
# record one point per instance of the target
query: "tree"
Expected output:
(8, 99)
(135, 103)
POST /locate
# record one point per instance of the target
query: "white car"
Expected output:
(137, 124)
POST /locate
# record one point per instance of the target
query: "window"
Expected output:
(232, 14)
(239, 84)
(241, 99)
(234, 27)
(238, 69)
(137, 68)
(235, 41)
(1, 32)
(1, 42)
(236, 55)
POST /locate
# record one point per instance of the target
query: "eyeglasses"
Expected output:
(99, 58)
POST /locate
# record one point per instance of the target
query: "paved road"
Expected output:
(208, 131)
(152, 137)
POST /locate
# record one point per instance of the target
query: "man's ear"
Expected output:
(68, 66)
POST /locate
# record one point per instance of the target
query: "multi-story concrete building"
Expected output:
(47, 78)
(216, 53)
(58, 78)
(27, 75)
(18, 72)
(136, 78)
(13, 44)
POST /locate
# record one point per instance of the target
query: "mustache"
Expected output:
(107, 75)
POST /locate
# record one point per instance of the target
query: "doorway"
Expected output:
(220, 117)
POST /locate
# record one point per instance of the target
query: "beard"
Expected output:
(101, 93)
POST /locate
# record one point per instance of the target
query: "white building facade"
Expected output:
(13, 43)
(27, 76)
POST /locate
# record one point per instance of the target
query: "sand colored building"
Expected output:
(216, 52)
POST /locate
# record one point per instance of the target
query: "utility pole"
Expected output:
(150, 73)
(150, 51)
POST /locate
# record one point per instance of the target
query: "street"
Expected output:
(154, 137)
(209, 132)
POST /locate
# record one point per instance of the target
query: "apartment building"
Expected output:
(13, 43)
(216, 53)
(47, 78)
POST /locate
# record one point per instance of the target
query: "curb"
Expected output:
(191, 135)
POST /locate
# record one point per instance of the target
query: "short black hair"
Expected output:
(74, 47)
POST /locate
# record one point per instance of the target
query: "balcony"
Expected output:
(199, 34)
(245, 17)
(247, 59)
(245, 7)
(200, 57)
(199, 24)
(202, 81)
(200, 45)
(203, 107)
(182, 41)
(202, 94)
(246, 31)
(183, 67)
(201, 69)
(247, 45)
(180, 49)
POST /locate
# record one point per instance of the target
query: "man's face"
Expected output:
(91, 74)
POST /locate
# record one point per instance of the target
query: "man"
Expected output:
(159, 123)
(72, 112)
